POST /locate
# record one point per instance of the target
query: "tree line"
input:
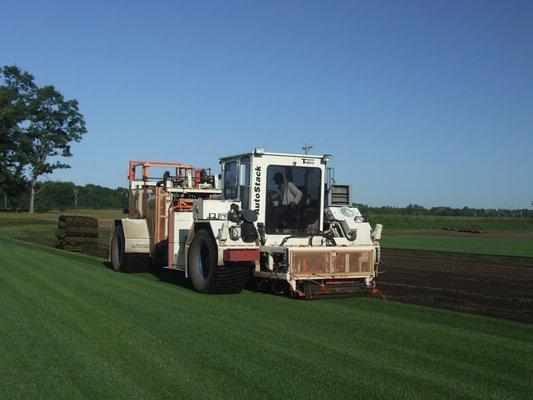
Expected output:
(37, 128)
(61, 196)
(415, 209)
(58, 195)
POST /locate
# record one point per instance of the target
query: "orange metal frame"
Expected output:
(160, 218)
(179, 168)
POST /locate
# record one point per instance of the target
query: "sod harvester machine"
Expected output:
(276, 218)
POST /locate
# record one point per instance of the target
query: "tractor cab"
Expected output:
(286, 191)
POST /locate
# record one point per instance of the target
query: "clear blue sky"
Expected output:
(427, 102)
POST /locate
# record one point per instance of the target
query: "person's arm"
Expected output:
(297, 193)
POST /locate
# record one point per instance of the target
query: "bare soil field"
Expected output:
(496, 286)
(468, 235)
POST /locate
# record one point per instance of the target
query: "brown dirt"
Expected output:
(490, 234)
(496, 286)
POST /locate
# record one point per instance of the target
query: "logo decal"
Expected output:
(138, 245)
(257, 189)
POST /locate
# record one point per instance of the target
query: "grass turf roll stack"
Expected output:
(77, 233)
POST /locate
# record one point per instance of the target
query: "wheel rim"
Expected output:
(202, 261)
(117, 251)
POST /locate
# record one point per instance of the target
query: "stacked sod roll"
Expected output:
(77, 233)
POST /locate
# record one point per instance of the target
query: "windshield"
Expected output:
(230, 181)
(293, 199)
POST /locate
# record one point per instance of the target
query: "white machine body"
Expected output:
(300, 237)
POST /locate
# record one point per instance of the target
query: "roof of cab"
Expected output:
(268, 153)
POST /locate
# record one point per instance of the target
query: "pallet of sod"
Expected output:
(77, 233)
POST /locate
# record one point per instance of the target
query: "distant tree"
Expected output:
(55, 196)
(58, 195)
(15, 91)
(95, 196)
(441, 211)
(415, 209)
(42, 125)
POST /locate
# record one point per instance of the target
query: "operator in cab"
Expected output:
(285, 200)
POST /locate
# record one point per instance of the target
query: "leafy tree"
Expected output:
(95, 196)
(413, 209)
(60, 196)
(40, 127)
(14, 97)
(55, 196)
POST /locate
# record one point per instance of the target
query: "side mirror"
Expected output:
(377, 232)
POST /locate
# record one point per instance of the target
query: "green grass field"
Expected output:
(417, 232)
(72, 328)
(406, 222)
(481, 245)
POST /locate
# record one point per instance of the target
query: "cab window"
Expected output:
(230, 181)
(293, 199)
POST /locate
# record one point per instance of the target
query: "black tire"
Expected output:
(126, 262)
(205, 275)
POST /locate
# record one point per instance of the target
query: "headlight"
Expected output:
(234, 232)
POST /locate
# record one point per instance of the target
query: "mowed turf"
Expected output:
(72, 328)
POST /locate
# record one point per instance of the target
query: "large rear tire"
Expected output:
(205, 275)
(126, 262)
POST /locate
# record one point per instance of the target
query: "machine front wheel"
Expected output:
(126, 262)
(205, 275)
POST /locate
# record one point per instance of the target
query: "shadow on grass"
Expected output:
(164, 275)
(172, 277)
(178, 278)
